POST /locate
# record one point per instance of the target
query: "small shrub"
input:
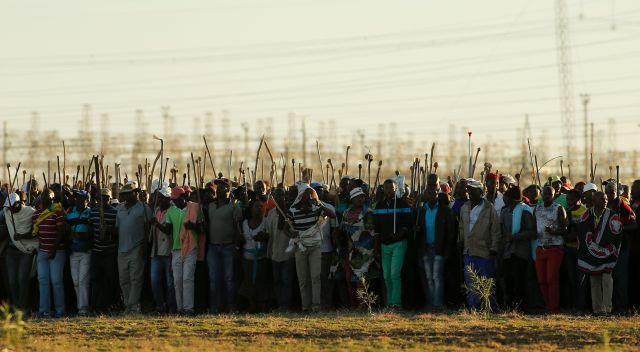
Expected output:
(366, 296)
(482, 287)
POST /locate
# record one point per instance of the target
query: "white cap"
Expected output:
(154, 185)
(589, 187)
(165, 191)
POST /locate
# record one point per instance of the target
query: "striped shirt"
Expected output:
(110, 222)
(304, 219)
(48, 230)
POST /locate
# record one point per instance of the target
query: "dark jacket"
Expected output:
(518, 245)
(445, 231)
(383, 220)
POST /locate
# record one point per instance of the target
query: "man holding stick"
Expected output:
(49, 226)
(78, 222)
(104, 255)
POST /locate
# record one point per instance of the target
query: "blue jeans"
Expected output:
(485, 268)
(282, 282)
(50, 274)
(220, 265)
(434, 272)
(162, 284)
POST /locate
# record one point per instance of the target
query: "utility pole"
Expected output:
(585, 102)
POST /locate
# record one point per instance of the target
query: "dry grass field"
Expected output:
(344, 331)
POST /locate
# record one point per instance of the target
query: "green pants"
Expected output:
(392, 260)
(131, 273)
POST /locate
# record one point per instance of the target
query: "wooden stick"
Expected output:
(164, 171)
(64, 161)
(188, 173)
(369, 159)
(618, 182)
(473, 170)
(77, 173)
(346, 162)
(333, 173)
(210, 158)
(320, 162)
(153, 169)
(377, 176)
(293, 170)
(15, 177)
(193, 162)
(538, 171)
(433, 147)
(255, 167)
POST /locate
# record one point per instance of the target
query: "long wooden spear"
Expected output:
(215, 174)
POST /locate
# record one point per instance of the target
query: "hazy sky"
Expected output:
(423, 64)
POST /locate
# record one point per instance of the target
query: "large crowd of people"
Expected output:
(229, 246)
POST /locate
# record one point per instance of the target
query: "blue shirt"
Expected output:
(430, 222)
(80, 245)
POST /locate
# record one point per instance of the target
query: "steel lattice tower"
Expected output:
(565, 78)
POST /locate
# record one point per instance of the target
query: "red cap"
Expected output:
(491, 176)
(445, 188)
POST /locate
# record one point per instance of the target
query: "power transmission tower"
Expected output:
(565, 78)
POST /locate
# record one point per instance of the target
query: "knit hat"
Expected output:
(83, 195)
(356, 192)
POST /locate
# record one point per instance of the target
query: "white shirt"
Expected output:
(475, 214)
